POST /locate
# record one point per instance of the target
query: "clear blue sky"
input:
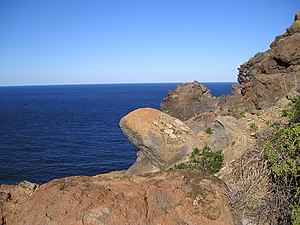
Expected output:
(115, 41)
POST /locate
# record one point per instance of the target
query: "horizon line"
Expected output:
(62, 84)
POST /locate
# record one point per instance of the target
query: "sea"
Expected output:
(55, 131)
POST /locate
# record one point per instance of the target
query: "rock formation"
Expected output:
(172, 197)
(189, 100)
(235, 120)
(162, 140)
(265, 78)
(271, 75)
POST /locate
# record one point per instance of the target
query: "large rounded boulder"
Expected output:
(162, 140)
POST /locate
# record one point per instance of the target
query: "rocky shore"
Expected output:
(151, 191)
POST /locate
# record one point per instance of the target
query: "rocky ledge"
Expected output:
(171, 197)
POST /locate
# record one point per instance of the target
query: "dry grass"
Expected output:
(248, 188)
(252, 193)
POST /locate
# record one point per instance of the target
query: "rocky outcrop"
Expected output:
(265, 78)
(162, 140)
(189, 100)
(172, 197)
(283, 56)
(270, 75)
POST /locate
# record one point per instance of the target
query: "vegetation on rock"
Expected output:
(204, 159)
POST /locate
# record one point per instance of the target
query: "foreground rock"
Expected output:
(12, 194)
(172, 197)
(162, 140)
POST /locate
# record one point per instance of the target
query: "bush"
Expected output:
(296, 111)
(205, 160)
(282, 152)
(209, 130)
(293, 112)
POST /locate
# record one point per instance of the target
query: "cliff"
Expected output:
(152, 191)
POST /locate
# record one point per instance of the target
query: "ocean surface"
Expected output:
(49, 132)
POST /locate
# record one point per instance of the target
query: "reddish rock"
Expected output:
(171, 197)
(188, 100)
(10, 195)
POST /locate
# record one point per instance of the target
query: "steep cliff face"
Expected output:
(283, 57)
(271, 75)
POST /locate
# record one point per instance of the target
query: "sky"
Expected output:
(134, 41)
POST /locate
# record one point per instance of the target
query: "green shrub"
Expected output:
(296, 110)
(204, 159)
(275, 124)
(283, 152)
(285, 112)
(283, 155)
(293, 112)
(209, 130)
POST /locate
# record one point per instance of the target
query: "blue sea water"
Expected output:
(49, 132)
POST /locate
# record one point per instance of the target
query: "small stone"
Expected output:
(169, 125)
(168, 131)
(253, 135)
(172, 135)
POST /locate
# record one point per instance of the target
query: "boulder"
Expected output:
(188, 100)
(162, 140)
(171, 197)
